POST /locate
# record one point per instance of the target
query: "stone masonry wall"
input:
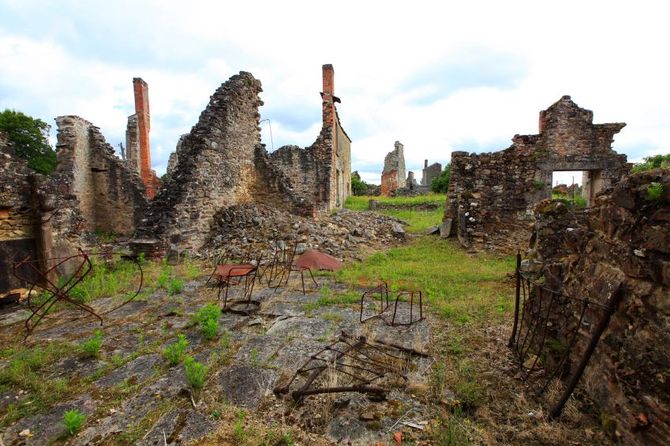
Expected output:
(491, 195)
(393, 175)
(90, 178)
(215, 167)
(621, 244)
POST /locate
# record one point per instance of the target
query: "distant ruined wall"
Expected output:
(393, 175)
(215, 166)
(430, 173)
(90, 178)
(622, 244)
(305, 172)
(491, 195)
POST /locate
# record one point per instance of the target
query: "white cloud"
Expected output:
(75, 58)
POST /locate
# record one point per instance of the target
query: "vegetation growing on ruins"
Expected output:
(29, 136)
(420, 212)
(652, 162)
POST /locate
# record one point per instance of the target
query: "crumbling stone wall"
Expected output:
(93, 182)
(430, 173)
(304, 171)
(491, 195)
(622, 244)
(393, 175)
(215, 165)
(17, 215)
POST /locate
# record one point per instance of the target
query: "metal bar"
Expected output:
(614, 300)
(517, 296)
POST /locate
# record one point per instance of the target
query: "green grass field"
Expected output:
(408, 209)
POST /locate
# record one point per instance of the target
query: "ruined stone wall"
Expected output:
(16, 209)
(133, 144)
(18, 218)
(305, 171)
(622, 244)
(492, 195)
(430, 173)
(393, 175)
(93, 180)
(215, 167)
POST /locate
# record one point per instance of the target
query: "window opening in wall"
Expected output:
(568, 185)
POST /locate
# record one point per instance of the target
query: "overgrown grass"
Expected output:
(361, 203)
(174, 353)
(91, 347)
(73, 420)
(207, 318)
(408, 209)
(457, 286)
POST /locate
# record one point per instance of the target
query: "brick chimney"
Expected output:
(425, 164)
(328, 94)
(543, 120)
(141, 90)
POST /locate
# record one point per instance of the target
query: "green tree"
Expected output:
(29, 136)
(652, 162)
(358, 186)
(440, 185)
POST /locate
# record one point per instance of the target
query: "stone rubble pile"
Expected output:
(343, 234)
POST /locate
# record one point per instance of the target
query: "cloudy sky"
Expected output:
(438, 76)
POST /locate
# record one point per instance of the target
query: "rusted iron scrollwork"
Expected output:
(58, 288)
(351, 365)
(547, 325)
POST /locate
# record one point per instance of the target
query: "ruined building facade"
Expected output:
(491, 195)
(321, 174)
(138, 147)
(393, 175)
(222, 162)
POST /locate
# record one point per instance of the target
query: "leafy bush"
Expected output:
(73, 421)
(654, 192)
(208, 319)
(174, 353)
(91, 346)
(652, 162)
(440, 185)
(195, 372)
(358, 186)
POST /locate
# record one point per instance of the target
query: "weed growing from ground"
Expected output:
(450, 432)
(90, 348)
(175, 286)
(195, 372)
(654, 192)
(174, 353)
(207, 318)
(73, 420)
(239, 433)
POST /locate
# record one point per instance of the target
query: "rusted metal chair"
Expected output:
(305, 262)
(228, 274)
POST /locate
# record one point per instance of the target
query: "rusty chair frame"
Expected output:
(248, 273)
(383, 290)
(293, 265)
(61, 291)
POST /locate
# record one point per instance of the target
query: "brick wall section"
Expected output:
(491, 195)
(393, 175)
(622, 243)
(91, 179)
(215, 166)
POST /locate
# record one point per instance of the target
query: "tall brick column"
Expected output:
(328, 95)
(141, 90)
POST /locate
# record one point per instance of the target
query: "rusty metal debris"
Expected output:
(58, 289)
(408, 299)
(351, 365)
(540, 315)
